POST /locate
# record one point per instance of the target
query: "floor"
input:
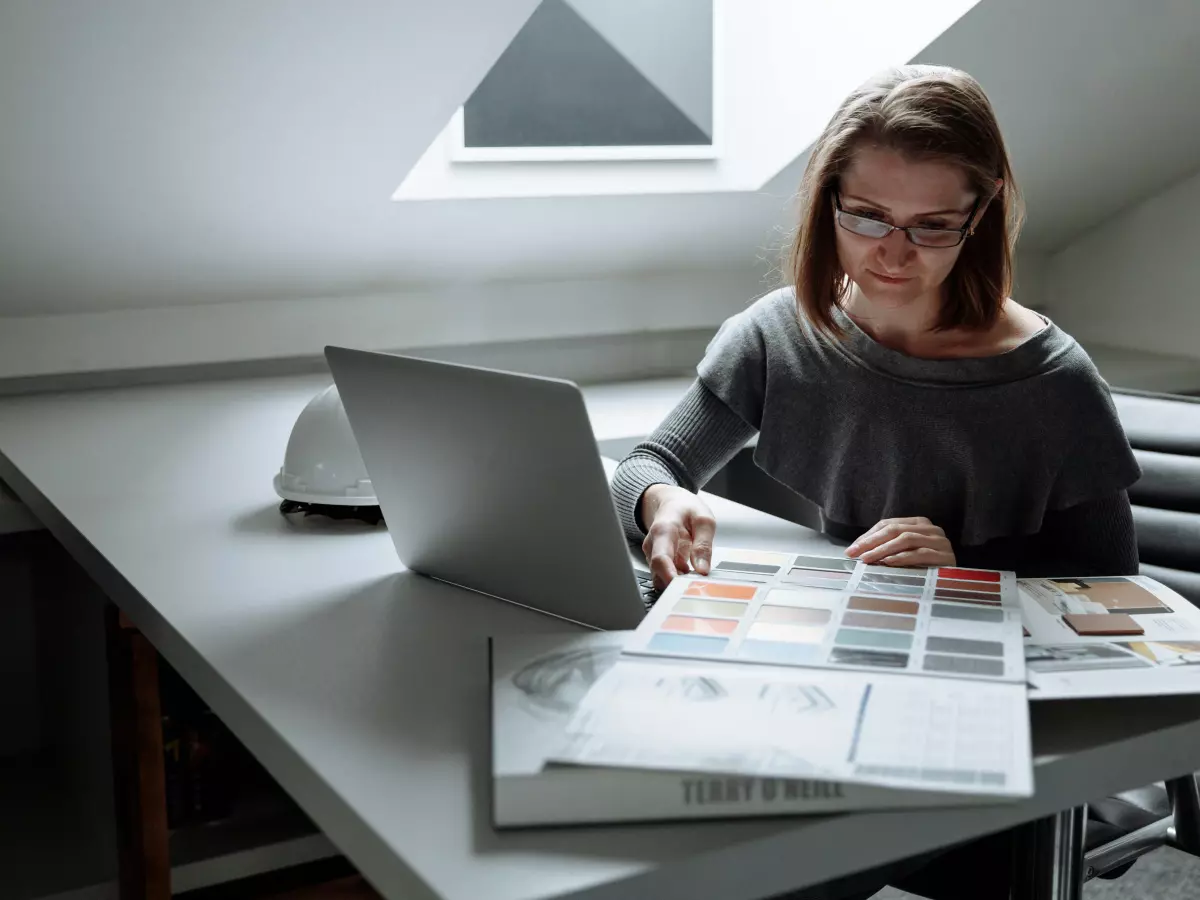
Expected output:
(1165, 874)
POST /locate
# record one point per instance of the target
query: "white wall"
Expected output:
(442, 316)
(1134, 281)
(1029, 285)
(437, 317)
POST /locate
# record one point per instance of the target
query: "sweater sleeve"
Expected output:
(691, 445)
(734, 366)
(1098, 461)
(1096, 537)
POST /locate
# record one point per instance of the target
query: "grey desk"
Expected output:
(363, 688)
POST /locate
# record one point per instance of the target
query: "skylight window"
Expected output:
(598, 80)
(663, 97)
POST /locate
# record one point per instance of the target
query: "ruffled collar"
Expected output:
(1035, 355)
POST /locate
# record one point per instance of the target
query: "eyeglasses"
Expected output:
(864, 226)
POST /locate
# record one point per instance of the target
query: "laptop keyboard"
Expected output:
(650, 594)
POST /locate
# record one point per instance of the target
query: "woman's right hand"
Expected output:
(679, 532)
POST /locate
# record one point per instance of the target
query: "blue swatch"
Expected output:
(704, 645)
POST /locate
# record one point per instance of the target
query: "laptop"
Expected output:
(492, 481)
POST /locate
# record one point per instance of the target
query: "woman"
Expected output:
(933, 419)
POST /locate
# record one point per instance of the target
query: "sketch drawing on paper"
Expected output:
(700, 689)
(552, 686)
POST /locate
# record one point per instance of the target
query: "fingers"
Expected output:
(678, 541)
(871, 538)
(683, 554)
(704, 529)
(927, 557)
(904, 541)
(907, 520)
(662, 568)
(908, 541)
(659, 548)
(887, 530)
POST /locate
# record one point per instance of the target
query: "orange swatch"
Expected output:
(720, 591)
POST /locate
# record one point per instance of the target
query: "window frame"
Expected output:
(459, 152)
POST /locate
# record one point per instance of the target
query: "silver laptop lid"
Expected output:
(491, 480)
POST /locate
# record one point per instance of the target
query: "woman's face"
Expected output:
(893, 272)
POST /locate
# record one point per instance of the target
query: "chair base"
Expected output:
(1048, 857)
(1049, 861)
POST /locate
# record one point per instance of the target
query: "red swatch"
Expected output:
(969, 574)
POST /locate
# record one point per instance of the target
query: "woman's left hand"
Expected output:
(904, 542)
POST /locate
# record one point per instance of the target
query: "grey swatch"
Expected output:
(969, 613)
(844, 657)
(963, 665)
(962, 645)
(747, 567)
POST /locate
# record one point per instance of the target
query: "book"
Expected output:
(1114, 636)
(536, 684)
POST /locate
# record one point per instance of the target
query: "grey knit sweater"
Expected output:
(1019, 457)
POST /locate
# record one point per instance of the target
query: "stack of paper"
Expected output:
(538, 682)
(779, 684)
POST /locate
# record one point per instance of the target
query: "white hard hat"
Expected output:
(322, 465)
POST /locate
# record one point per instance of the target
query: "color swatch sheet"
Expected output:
(781, 609)
(793, 666)
(1119, 636)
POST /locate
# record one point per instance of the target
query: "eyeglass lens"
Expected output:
(873, 228)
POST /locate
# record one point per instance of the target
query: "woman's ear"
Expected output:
(997, 187)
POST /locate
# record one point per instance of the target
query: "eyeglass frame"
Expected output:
(967, 229)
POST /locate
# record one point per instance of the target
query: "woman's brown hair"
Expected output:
(922, 112)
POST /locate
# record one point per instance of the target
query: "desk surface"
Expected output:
(363, 688)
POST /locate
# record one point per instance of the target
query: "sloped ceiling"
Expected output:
(216, 149)
(1096, 100)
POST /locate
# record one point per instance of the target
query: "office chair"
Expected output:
(1057, 855)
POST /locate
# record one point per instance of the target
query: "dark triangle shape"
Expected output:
(560, 83)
